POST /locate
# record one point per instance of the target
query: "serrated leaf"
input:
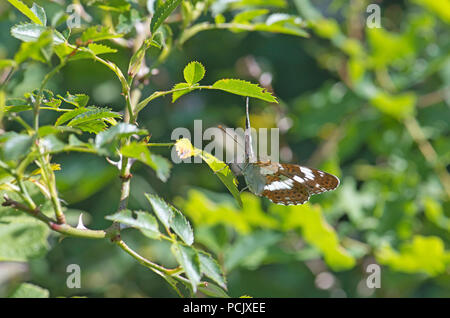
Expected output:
(211, 269)
(139, 151)
(181, 226)
(98, 49)
(69, 115)
(26, 11)
(193, 72)
(188, 259)
(162, 210)
(179, 90)
(98, 33)
(78, 100)
(185, 149)
(93, 126)
(244, 88)
(27, 290)
(143, 221)
(29, 32)
(93, 113)
(162, 12)
(40, 13)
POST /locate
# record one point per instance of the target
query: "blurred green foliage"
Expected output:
(370, 105)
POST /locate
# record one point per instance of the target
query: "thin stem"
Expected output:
(428, 151)
(50, 180)
(153, 266)
(60, 228)
(25, 194)
(37, 103)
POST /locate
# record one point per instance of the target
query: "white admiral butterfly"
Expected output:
(281, 183)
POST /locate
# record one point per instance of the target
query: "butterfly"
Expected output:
(281, 183)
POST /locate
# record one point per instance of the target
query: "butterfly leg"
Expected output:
(224, 167)
(243, 189)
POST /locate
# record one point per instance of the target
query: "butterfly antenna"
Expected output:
(227, 133)
(249, 156)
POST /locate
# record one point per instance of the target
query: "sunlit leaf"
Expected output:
(422, 255)
(162, 12)
(30, 13)
(27, 290)
(193, 72)
(244, 88)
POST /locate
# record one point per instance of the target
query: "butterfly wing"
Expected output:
(293, 184)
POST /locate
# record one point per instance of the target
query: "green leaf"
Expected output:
(113, 5)
(162, 12)
(139, 151)
(188, 259)
(247, 16)
(398, 106)
(78, 100)
(211, 269)
(98, 33)
(316, 231)
(27, 290)
(181, 226)
(179, 90)
(218, 19)
(26, 11)
(162, 167)
(93, 126)
(21, 237)
(244, 88)
(39, 50)
(48, 130)
(51, 143)
(69, 115)
(29, 32)
(162, 210)
(213, 290)
(423, 255)
(93, 113)
(17, 146)
(98, 49)
(113, 134)
(7, 63)
(143, 221)
(247, 246)
(193, 72)
(185, 150)
(40, 13)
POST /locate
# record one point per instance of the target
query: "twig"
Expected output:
(52, 224)
(428, 151)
